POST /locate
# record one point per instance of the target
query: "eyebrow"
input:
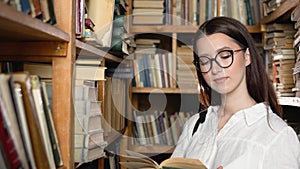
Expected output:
(217, 51)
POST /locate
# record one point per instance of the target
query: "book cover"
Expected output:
(21, 116)
(136, 160)
(39, 149)
(90, 72)
(87, 124)
(103, 23)
(89, 139)
(87, 93)
(52, 19)
(8, 147)
(51, 128)
(89, 154)
(38, 102)
(10, 120)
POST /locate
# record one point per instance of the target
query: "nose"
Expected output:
(215, 68)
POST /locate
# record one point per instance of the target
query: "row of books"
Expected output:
(195, 12)
(40, 9)
(28, 135)
(158, 127)
(154, 70)
(280, 56)
(295, 16)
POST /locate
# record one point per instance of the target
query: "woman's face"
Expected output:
(224, 80)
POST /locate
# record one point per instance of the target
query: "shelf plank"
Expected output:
(50, 49)
(286, 6)
(18, 26)
(153, 149)
(177, 29)
(87, 50)
(289, 101)
(163, 90)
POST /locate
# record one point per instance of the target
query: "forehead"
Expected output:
(214, 42)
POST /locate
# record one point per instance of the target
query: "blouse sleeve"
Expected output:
(283, 152)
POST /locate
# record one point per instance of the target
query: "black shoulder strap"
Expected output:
(201, 119)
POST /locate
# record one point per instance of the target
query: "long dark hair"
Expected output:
(259, 84)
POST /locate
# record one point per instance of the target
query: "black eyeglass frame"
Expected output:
(197, 65)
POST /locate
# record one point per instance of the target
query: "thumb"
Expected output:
(220, 167)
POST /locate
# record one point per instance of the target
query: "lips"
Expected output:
(220, 80)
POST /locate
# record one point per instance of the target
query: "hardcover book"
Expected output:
(136, 160)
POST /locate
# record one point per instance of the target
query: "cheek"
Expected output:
(206, 77)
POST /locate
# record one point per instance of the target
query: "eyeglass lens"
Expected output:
(224, 59)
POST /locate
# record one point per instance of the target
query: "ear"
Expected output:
(247, 57)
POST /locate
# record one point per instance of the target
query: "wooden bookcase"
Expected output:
(174, 31)
(24, 38)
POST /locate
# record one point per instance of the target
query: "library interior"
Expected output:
(114, 84)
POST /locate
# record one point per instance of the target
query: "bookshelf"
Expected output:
(24, 38)
(282, 14)
(140, 94)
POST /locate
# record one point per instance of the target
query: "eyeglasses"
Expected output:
(223, 58)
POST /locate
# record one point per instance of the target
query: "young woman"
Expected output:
(239, 126)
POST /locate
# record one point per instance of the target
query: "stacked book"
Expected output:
(148, 12)
(186, 71)
(281, 53)
(89, 141)
(295, 16)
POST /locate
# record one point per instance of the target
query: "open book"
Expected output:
(136, 160)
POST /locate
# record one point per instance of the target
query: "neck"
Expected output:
(232, 103)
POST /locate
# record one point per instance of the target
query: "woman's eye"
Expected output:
(225, 56)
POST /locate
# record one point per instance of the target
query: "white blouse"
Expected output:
(253, 138)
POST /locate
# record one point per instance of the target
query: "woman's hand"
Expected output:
(220, 167)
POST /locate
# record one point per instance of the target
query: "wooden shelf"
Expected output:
(153, 149)
(286, 6)
(18, 26)
(289, 101)
(86, 50)
(178, 29)
(163, 90)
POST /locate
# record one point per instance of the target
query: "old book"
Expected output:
(89, 154)
(21, 116)
(103, 23)
(89, 139)
(148, 19)
(35, 69)
(87, 124)
(84, 92)
(88, 107)
(38, 102)
(52, 19)
(51, 128)
(45, 10)
(13, 135)
(39, 148)
(36, 10)
(83, 61)
(136, 160)
(148, 4)
(90, 72)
